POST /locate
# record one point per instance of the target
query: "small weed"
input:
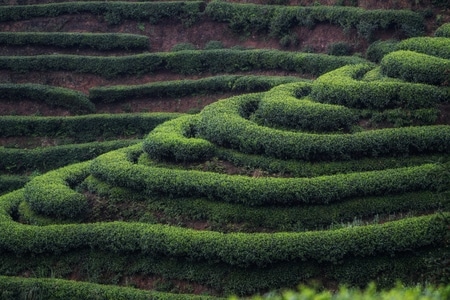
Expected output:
(141, 26)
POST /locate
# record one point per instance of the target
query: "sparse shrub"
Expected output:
(339, 49)
(213, 45)
(183, 46)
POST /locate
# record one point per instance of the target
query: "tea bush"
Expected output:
(434, 46)
(51, 95)
(443, 30)
(416, 67)
(98, 41)
(84, 128)
(180, 88)
(280, 107)
(343, 87)
(51, 195)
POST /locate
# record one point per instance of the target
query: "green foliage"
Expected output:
(278, 20)
(251, 192)
(183, 62)
(370, 293)
(53, 96)
(343, 87)
(339, 49)
(280, 107)
(113, 12)
(85, 128)
(417, 67)
(378, 49)
(98, 41)
(222, 124)
(11, 182)
(180, 88)
(435, 46)
(183, 46)
(175, 140)
(443, 31)
(55, 289)
(51, 195)
(47, 158)
(211, 45)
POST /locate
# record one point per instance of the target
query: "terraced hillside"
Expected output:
(194, 150)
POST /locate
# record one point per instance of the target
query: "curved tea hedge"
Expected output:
(443, 30)
(113, 12)
(182, 62)
(51, 95)
(83, 128)
(416, 67)
(98, 41)
(343, 87)
(261, 191)
(180, 88)
(278, 20)
(53, 289)
(435, 46)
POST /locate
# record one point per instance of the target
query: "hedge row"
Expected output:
(236, 249)
(115, 169)
(223, 216)
(32, 2)
(435, 46)
(83, 128)
(417, 67)
(11, 182)
(98, 41)
(280, 107)
(51, 195)
(53, 96)
(105, 267)
(222, 124)
(398, 293)
(299, 168)
(279, 20)
(377, 50)
(114, 12)
(443, 30)
(400, 117)
(180, 88)
(56, 289)
(183, 62)
(174, 141)
(47, 158)
(342, 87)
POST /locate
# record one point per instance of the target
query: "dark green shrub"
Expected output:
(85, 128)
(48, 158)
(378, 49)
(98, 41)
(278, 20)
(54, 289)
(339, 49)
(180, 88)
(54, 96)
(211, 45)
(183, 46)
(443, 31)
(113, 12)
